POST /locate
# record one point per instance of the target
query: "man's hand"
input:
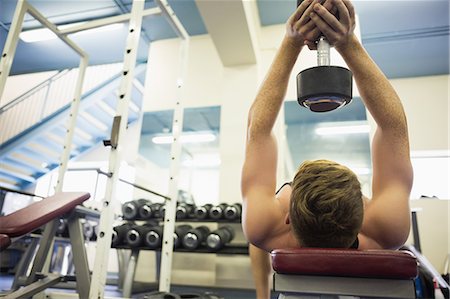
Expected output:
(337, 31)
(299, 27)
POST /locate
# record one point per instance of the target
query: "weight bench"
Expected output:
(46, 212)
(330, 273)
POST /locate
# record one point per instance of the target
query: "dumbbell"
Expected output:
(217, 212)
(154, 236)
(184, 211)
(88, 230)
(119, 232)
(179, 233)
(156, 209)
(233, 212)
(325, 87)
(137, 234)
(202, 212)
(220, 237)
(194, 237)
(62, 229)
(130, 209)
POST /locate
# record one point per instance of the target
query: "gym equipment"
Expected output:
(361, 273)
(153, 237)
(62, 230)
(194, 237)
(145, 211)
(185, 210)
(88, 230)
(202, 212)
(156, 210)
(217, 212)
(130, 209)
(233, 212)
(119, 233)
(219, 238)
(137, 234)
(179, 233)
(46, 211)
(325, 87)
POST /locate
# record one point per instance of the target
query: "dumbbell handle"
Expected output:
(323, 52)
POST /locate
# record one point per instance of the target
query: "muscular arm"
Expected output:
(387, 219)
(261, 270)
(387, 216)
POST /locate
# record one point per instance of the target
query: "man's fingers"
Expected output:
(344, 14)
(326, 17)
(350, 8)
(299, 11)
(323, 26)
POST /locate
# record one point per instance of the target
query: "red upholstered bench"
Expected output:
(37, 214)
(346, 272)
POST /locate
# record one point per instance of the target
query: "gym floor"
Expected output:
(112, 291)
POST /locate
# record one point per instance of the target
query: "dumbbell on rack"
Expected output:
(195, 237)
(119, 233)
(217, 239)
(233, 212)
(217, 211)
(202, 212)
(130, 209)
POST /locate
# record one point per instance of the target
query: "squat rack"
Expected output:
(95, 285)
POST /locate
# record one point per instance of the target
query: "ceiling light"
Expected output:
(187, 138)
(339, 130)
(44, 34)
(37, 35)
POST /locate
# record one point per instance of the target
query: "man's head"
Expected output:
(326, 205)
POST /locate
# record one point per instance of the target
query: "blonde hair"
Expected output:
(326, 208)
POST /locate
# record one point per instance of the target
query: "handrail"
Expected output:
(32, 91)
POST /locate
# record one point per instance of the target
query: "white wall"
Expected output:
(426, 102)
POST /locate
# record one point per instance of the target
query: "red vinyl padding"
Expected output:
(388, 264)
(39, 213)
(5, 241)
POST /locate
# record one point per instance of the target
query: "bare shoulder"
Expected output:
(386, 222)
(264, 221)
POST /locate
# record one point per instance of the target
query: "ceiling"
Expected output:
(407, 38)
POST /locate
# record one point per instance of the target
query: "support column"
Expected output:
(100, 270)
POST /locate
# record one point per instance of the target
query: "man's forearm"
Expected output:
(376, 91)
(265, 108)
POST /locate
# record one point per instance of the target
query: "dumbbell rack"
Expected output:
(126, 282)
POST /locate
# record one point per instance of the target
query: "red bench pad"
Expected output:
(39, 213)
(389, 264)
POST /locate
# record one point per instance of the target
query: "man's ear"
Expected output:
(287, 219)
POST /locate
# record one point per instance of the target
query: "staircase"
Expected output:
(33, 126)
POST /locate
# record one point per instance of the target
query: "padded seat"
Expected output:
(35, 215)
(347, 272)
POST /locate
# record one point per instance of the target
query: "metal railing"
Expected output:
(46, 98)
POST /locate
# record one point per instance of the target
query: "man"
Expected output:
(323, 206)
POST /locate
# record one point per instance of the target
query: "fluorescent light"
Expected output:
(44, 34)
(37, 35)
(339, 130)
(187, 138)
